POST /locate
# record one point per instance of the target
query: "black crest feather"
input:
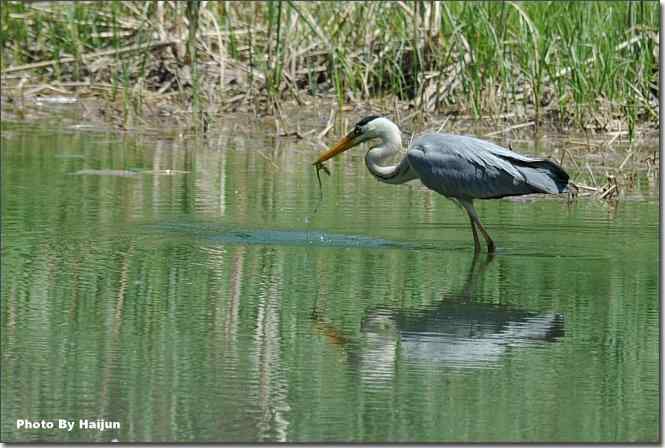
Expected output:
(366, 120)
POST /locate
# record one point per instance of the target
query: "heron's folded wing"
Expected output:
(466, 167)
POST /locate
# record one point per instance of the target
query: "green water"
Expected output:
(210, 302)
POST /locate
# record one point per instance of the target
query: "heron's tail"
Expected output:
(544, 175)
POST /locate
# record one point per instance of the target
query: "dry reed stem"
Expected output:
(88, 56)
(511, 128)
(329, 126)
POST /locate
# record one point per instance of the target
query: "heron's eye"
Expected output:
(357, 131)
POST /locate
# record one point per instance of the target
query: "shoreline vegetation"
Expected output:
(579, 67)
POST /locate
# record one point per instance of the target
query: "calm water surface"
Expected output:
(188, 291)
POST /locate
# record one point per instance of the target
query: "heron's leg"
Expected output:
(491, 247)
(476, 241)
(468, 205)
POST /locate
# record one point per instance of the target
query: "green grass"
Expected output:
(579, 64)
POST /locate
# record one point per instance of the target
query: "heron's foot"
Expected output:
(491, 247)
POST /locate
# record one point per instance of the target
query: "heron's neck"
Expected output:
(391, 143)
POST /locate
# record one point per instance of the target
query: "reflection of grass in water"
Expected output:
(133, 309)
(583, 64)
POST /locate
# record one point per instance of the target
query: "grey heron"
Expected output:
(461, 168)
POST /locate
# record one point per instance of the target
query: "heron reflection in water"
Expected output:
(459, 167)
(457, 332)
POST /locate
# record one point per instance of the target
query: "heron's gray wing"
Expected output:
(466, 167)
(540, 173)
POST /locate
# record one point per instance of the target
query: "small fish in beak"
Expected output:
(345, 143)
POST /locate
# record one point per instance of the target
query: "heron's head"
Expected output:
(368, 128)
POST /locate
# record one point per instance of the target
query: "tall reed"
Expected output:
(563, 61)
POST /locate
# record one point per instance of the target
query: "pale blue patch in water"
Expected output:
(281, 237)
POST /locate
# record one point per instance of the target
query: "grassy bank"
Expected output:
(588, 65)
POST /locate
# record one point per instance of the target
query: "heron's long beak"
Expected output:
(345, 143)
